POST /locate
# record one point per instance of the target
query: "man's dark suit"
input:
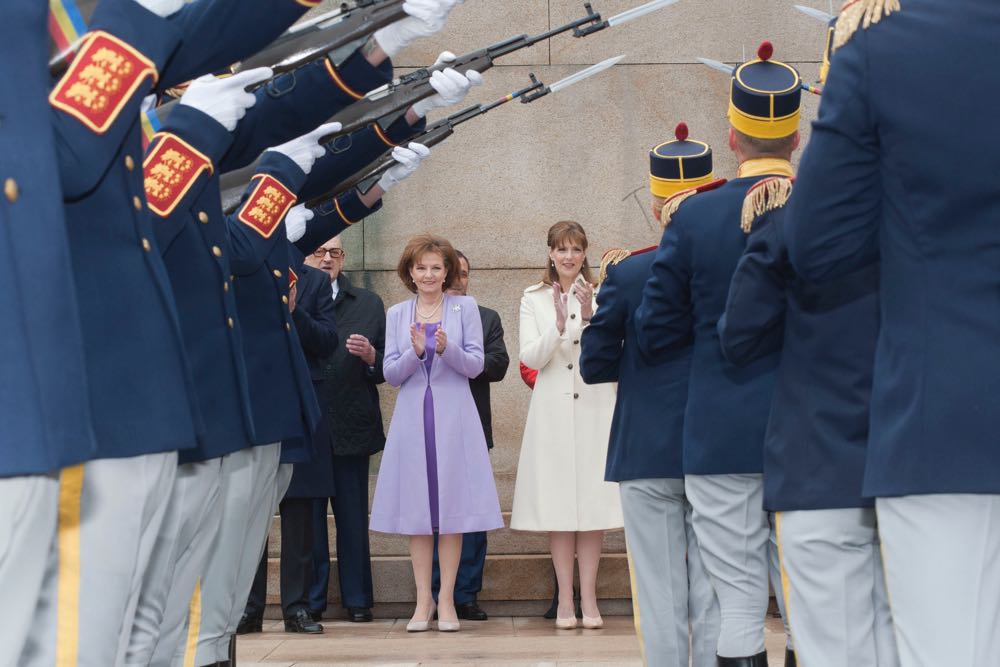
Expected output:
(469, 581)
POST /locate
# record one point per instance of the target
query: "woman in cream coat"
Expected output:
(560, 484)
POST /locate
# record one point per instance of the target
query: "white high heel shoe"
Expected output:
(421, 626)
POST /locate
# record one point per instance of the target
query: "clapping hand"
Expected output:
(562, 309)
(584, 293)
(360, 347)
(418, 336)
(441, 340)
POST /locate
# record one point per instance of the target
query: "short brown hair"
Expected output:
(566, 231)
(419, 246)
(755, 147)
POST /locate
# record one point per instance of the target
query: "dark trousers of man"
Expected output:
(350, 512)
(296, 561)
(469, 580)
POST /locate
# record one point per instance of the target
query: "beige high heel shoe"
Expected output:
(448, 626)
(421, 626)
(590, 623)
(566, 623)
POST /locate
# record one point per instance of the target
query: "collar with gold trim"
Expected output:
(765, 166)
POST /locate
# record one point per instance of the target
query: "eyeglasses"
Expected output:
(335, 253)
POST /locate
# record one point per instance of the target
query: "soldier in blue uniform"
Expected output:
(45, 407)
(814, 449)
(727, 406)
(670, 588)
(901, 167)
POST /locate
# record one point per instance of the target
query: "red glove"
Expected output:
(529, 375)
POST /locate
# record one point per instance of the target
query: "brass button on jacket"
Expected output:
(11, 190)
(217, 251)
(146, 245)
(277, 273)
(137, 203)
(129, 162)
(203, 218)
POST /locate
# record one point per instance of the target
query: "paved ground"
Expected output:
(500, 641)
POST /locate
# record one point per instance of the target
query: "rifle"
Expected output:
(386, 104)
(366, 178)
(339, 32)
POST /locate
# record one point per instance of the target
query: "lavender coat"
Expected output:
(467, 495)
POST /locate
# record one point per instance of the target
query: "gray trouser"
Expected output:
(29, 506)
(834, 588)
(942, 568)
(732, 530)
(110, 511)
(671, 591)
(182, 546)
(248, 481)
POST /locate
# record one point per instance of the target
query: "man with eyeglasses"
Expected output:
(352, 415)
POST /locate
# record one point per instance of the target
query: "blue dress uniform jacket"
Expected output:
(283, 403)
(299, 101)
(140, 388)
(195, 247)
(647, 429)
(315, 319)
(814, 450)
(685, 295)
(911, 176)
(44, 403)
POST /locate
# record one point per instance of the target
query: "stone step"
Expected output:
(506, 578)
(501, 542)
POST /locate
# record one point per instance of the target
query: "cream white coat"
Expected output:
(560, 476)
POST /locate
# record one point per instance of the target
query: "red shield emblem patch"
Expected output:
(267, 205)
(101, 80)
(169, 171)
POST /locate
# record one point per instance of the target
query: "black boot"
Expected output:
(759, 660)
(790, 660)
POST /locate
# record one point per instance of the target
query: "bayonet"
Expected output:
(817, 14)
(730, 70)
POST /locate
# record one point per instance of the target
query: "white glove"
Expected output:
(305, 150)
(295, 222)
(163, 8)
(408, 160)
(426, 17)
(451, 89)
(226, 100)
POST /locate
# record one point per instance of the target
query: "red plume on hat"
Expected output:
(765, 50)
(681, 131)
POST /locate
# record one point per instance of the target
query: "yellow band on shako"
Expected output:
(763, 128)
(665, 187)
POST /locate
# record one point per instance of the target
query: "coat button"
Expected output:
(225, 287)
(217, 251)
(284, 299)
(146, 245)
(137, 203)
(129, 162)
(10, 190)
(569, 366)
(288, 327)
(576, 395)
(576, 342)
(277, 273)
(572, 316)
(203, 218)
(230, 322)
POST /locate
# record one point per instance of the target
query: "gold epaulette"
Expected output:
(860, 13)
(766, 195)
(671, 205)
(611, 258)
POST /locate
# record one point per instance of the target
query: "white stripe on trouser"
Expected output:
(182, 545)
(732, 530)
(247, 482)
(672, 589)
(774, 574)
(942, 566)
(29, 506)
(836, 590)
(121, 507)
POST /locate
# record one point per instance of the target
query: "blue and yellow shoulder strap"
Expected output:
(856, 14)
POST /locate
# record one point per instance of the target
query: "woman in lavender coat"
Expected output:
(435, 476)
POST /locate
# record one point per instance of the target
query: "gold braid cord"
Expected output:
(860, 13)
(671, 205)
(766, 195)
(611, 258)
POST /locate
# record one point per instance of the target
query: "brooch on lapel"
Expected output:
(457, 307)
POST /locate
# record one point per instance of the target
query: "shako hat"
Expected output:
(764, 96)
(679, 164)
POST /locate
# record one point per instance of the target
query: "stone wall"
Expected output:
(494, 188)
